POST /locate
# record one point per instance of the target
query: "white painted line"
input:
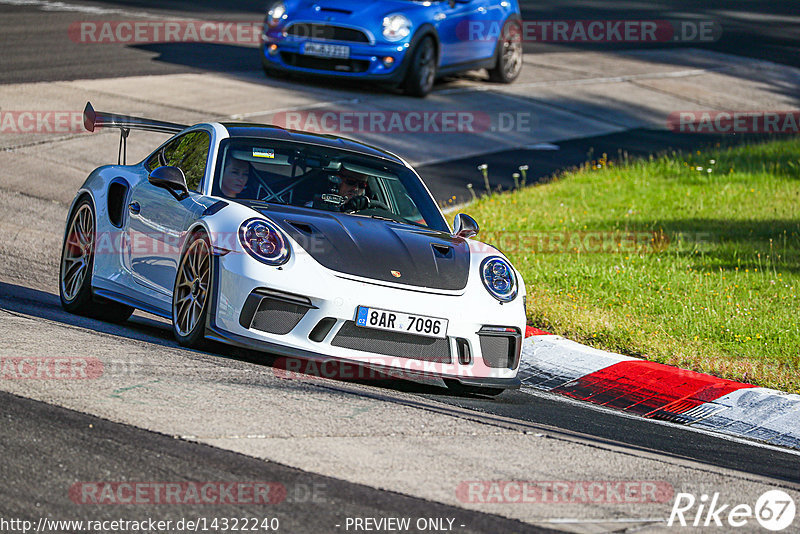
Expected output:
(759, 413)
(536, 146)
(586, 81)
(618, 413)
(241, 116)
(566, 521)
(548, 362)
(766, 415)
(542, 146)
(47, 5)
(247, 436)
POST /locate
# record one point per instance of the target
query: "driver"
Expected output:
(353, 188)
(234, 177)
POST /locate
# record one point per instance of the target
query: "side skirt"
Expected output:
(132, 302)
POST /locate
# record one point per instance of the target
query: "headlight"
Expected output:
(499, 278)
(263, 241)
(275, 14)
(396, 27)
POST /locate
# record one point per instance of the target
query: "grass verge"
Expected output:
(691, 260)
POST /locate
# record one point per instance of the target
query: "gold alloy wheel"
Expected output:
(191, 288)
(78, 250)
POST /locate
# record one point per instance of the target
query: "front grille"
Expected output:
(428, 349)
(321, 63)
(327, 31)
(499, 351)
(277, 316)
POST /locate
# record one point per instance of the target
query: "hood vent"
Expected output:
(303, 227)
(442, 251)
(336, 10)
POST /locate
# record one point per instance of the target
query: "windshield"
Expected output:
(324, 179)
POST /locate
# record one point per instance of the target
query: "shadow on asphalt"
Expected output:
(532, 411)
(241, 59)
(141, 327)
(449, 179)
(761, 30)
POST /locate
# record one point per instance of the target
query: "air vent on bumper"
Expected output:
(500, 346)
(273, 312)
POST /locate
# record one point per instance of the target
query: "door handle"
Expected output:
(134, 208)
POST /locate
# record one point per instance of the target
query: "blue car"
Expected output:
(404, 43)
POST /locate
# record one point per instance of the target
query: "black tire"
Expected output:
(189, 325)
(77, 265)
(508, 53)
(274, 73)
(421, 69)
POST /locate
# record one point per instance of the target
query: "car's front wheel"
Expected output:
(77, 265)
(509, 54)
(421, 70)
(191, 295)
(273, 73)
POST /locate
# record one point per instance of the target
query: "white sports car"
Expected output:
(305, 246)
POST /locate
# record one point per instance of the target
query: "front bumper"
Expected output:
(366, 60)
(482, 348)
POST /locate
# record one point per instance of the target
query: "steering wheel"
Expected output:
(378, 204)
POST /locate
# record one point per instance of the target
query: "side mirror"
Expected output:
(465, 226)
(172, 179)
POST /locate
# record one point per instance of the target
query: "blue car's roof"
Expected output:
(244, 129)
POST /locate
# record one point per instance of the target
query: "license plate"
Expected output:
(327, 50)
(401, 322)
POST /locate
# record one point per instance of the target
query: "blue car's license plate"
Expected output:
(327, 50)
(407, 323)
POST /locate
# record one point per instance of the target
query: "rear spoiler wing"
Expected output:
(99, 119)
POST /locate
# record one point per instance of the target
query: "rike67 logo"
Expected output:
(774, 510)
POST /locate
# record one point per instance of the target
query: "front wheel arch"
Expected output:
(83, 302)
(85, 195)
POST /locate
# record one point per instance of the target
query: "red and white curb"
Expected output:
(652, 390)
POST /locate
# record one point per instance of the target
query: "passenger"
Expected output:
(234, 177)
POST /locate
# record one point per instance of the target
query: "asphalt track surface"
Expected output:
(47, 448)
(49, 444)
(532, 410)
(36, 48)
(53, 455)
